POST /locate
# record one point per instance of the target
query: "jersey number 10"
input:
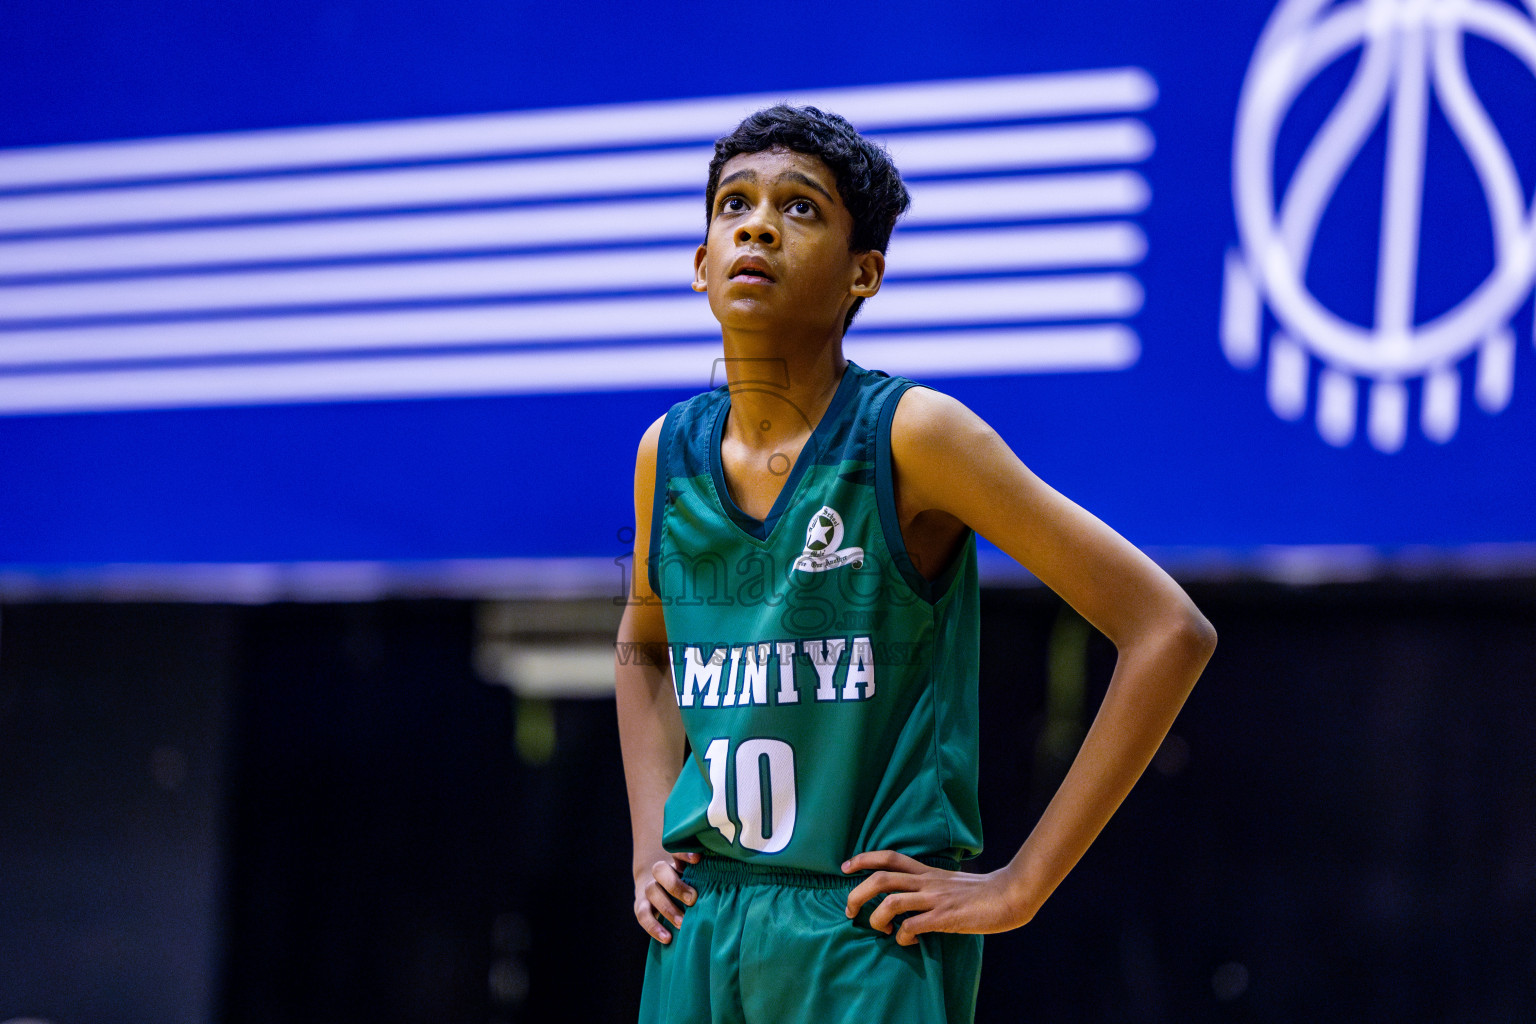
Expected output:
(767, 815)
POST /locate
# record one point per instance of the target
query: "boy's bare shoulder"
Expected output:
(650, 440)
(930, 424)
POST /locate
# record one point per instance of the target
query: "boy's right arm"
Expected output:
(650, 727)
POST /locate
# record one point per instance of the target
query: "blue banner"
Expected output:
(374, 293)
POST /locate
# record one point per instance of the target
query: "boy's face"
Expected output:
(776, 256)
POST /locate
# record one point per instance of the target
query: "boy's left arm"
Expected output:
(946, 458)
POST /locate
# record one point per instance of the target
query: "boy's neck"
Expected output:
(785, 386)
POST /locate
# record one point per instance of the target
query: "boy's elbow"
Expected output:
(1197, 636)
(1181, 638)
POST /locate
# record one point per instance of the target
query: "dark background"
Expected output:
(318, 812)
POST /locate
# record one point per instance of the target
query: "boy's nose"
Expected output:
(758, 228)
(761, 233)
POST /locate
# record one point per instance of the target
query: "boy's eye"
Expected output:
(804, 207)
(733, 204)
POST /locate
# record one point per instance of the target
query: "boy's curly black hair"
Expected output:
(867, 181)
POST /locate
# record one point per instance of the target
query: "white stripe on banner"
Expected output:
(673, 170)
(919, 253)
(547, 250)
(1042, 350)
(912, 304)
(1089, 194)
(913, 104)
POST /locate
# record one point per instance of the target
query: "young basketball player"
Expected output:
(797, 688)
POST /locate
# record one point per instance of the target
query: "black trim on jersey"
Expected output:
(810, 453)
(890, 522)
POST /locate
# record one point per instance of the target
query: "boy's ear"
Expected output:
(700, 282)
(869, 271)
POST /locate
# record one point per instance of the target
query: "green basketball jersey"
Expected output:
(828, 691)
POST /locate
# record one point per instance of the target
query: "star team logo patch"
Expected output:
(823, 544)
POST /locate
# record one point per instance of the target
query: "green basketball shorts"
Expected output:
(775, 946)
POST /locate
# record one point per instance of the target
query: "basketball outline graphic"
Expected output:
(1411, 56)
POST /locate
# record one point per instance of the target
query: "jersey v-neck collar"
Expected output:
(761, 529)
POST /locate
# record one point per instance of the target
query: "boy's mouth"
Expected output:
(750, 268)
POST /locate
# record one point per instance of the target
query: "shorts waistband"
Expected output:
(711, 870)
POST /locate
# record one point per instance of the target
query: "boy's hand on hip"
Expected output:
(937, 900)
(657, 887)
